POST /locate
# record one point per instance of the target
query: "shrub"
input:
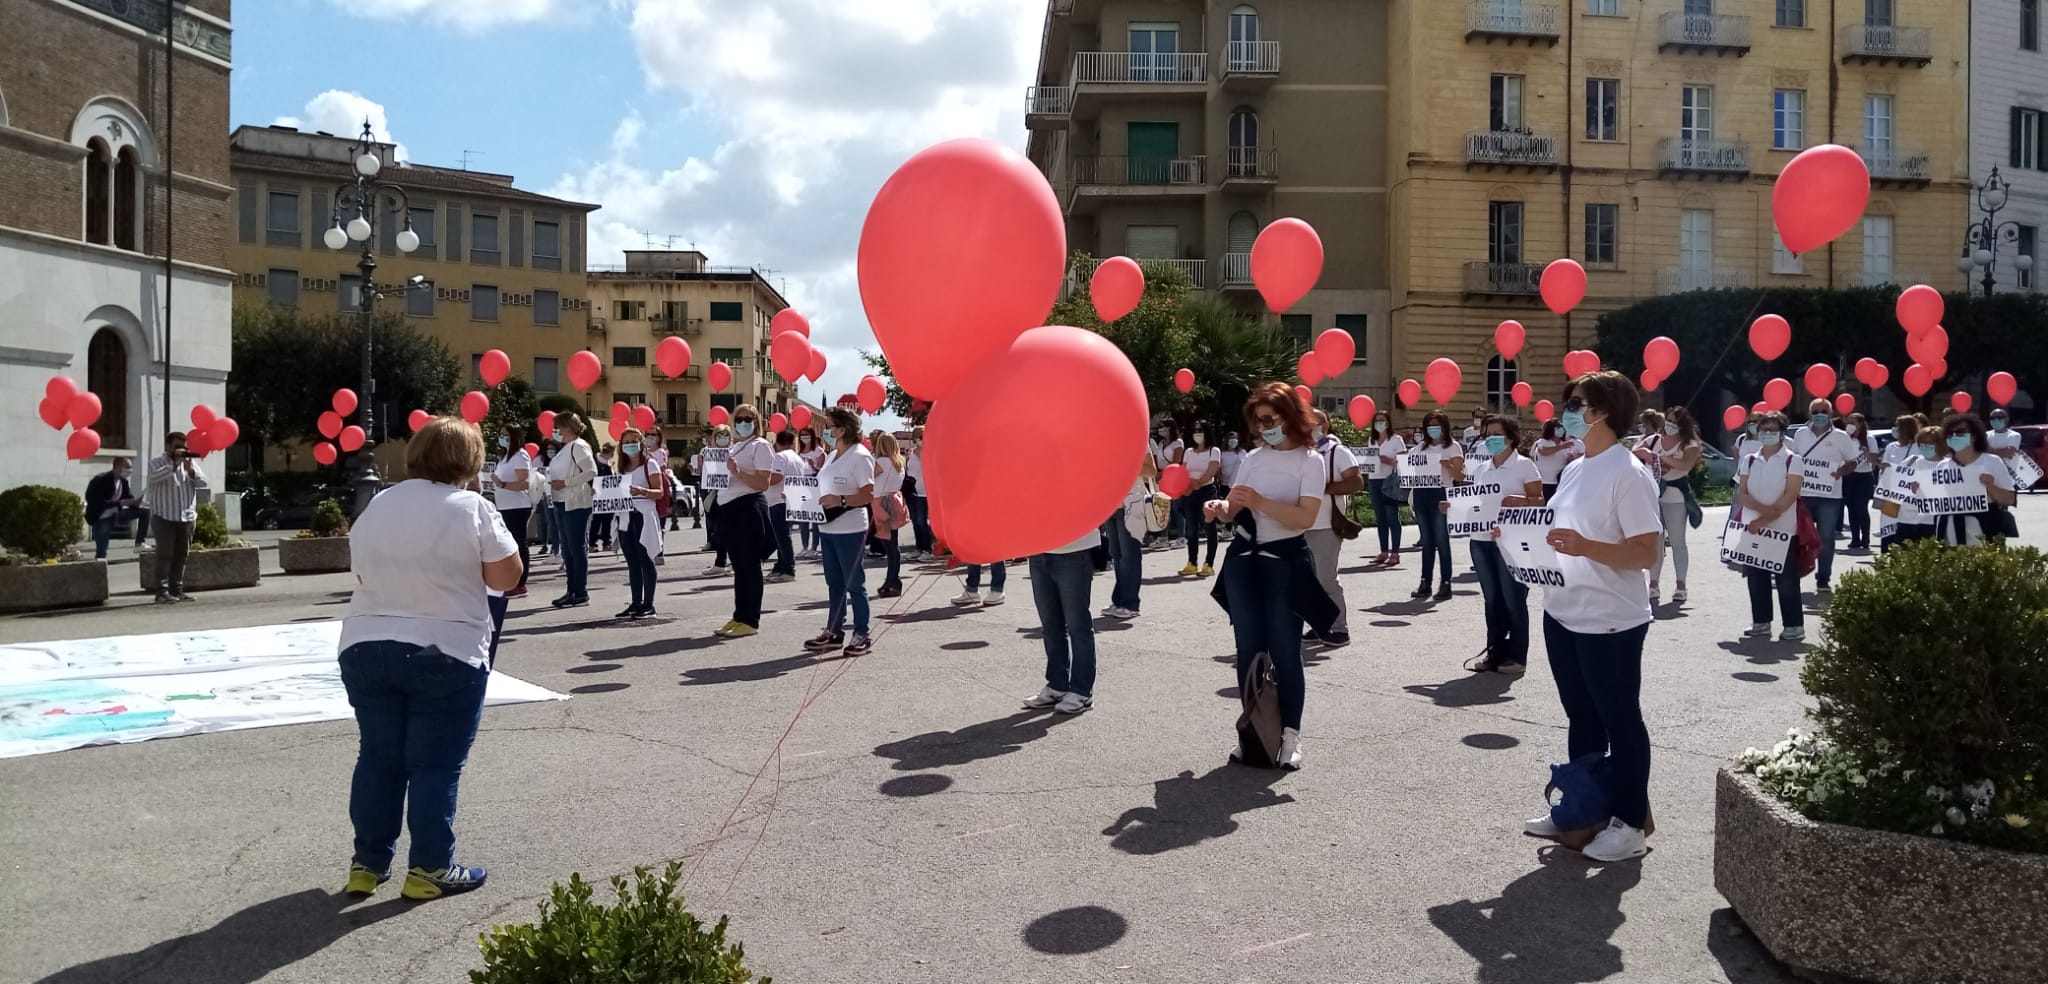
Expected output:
(327, 520)
(211, 532)
(647, 936)
(41, 522)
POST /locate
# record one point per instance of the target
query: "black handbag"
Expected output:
(1342, 525)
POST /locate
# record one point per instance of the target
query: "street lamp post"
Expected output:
(1983, 236)
(356, 208)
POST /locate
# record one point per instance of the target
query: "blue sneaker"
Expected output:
(421, 884)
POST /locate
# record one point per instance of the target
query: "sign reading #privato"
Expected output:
(801, 493)
(2025, 470)
(1473, 506)
(1764, 550)
(1525, 545)
(716, 476)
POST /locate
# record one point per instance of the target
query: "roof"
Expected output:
(408, 176)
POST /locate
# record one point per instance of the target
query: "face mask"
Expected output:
(1436, 433)
(1320, 434)
(807, 440)
(1670, 430)
(1381, 426)
(1495, 444)
(630, 450)
(1998, 423)
(744, 428)
(504, 442)
(723, 440)
(1233, 444)
(1818, 421)
(1274, 436)
(1750, 428)
(1201, 438)
(1958, 442)
(1850, 429)
(1575, 423)
(558, 437)
(1928, 451)
(1770, 439)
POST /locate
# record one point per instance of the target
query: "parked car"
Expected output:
(295, 511)
(1720, 467)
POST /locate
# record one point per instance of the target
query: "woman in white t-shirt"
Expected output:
(1507, 600)
(1387, 494)
(1858, 485)
(1233, 455)
(1553, 451)
(812, 451)
(1605, 530)
(1438, 445)
(888, 510)
(1169, 452)
(415, 656)
(1915, 446)
(640, 530)
(571, 477)
(1126, 549)
(744, 529)
(513, 477)
(1678, 450)
(1205, 474)
(1268, 568)
(1968, 447)
(846, 484)
(1768, 484)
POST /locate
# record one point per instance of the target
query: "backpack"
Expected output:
(1807, 542)
(1583, 801)
(1259, 728)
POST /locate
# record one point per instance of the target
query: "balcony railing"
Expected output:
(1251, 165)
(1706, 31)
(1897, 164)
(1197, 270)
(687, 418)
(1251, 58)
(1502, 278)
(596, 326)
(1048, 100)
(1671, 280)
(1887, 43)
(1511, 19)
(1139, 171)
(1511, 147)
(1140, 68)
(1237, 270)
(1703, 155)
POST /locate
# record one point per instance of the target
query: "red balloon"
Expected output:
(494, 367)
(1443, 377)
(1845, 404)
(776, 422)
(345, 403)
(1287, 259)
(532, 450)
(1820, 379)
(203, 415)
(1864, 366)
(643, 417)
(1938, 369)
(1778, 393)
(60, 389)
(871, 394)
(1928, 347)
(475, 407)
(197, 442)
(584, 368)
(1305, 395)
(1819, 195)
(720, 375)
(964, 249)
(1522, 393)
(1649, 381)
(1508, 338)
(546, 423)
(1759, 407)
(617, 428)
(1362, 411)
(818, 366)
(1545, 410)
(791, 354)
(83, 443)
(1919, 308)
(224, 433)
(1184, 380)
(620, 412)
(801, 417)
(2001, 387)
(1409, 392)
(1918, 379)
(352, 437)
(323, 453)
(84, 410)
(417, 419)
(1117, 287)
(672, 356)
(1308, 369)
(719, 417)
(989, 515)
(1174, 480)
(1563, 285)
(1879, 375)
(329, 424)
(1734, 417)
(1580, 362)
(1661, 356)
(1960, 400)
(1335, 351)
(54, 412)
(787, 319)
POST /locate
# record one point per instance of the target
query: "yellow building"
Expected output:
(1643, 138)
(722, 312)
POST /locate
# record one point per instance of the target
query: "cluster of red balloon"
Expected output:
(350, 437)
(1334, 352)
(64, 403)
(1579, 362)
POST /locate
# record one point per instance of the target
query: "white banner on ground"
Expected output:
(1820, 479)
(801, 493)
(1422, 470)
(1368, 460)
(70, 694)
(610, 494)
(715, 476)
(1764, 550)
(1946, 490)
(1473, 507)
(1525, 546)
(2025, 470)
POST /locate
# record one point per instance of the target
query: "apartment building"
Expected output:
(2009, 133)
(722, 312)
(1642, 137)
(506, 265)
(1174, 130)
(113, 220)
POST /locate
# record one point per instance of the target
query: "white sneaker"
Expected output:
(778, 578)
(965, 598)
(1792, 635)
(1760, 630)
(993, 598)
(1290, 749)
(1074, 703)
(716, 571)
(1619, 842)
(1045, 698)
(1541, 827)
(1122, 614)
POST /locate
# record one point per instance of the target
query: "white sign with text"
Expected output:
(801, 494)
(1422, 470)
(715, 476)
(1946, 490)
(1820, 479)
(1764, 549)
(1525, 546)
(609, 494)
(1474, 506)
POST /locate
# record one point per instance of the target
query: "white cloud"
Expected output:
(342, 114)
(468, 15)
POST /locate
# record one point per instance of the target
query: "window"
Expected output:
(2030, 25)
(1601, 220)
(127, 188)
(675, 312)
(678, 409)
(1296, 327)
(483, 238)
(106, 376)
(1791, 13)
(1244, 40)
(2027, 134)
(1601, 95)
(476, 369)
(728, 311)
(284, 287)
(629, 355)
(1244, 142)
(730, 401)
(732, 357)
(1503, 234)
(281, 222)
(631, 399)
(1699, 8)
(1877, 13)
(1501, 375)
(1877, 249)
(118, 151)
(99, 182)
(1788, 119)
(1504, 104)
(1151, 242)
(1696, 115)
(1782, 259)
(1354, 325)
(1605, 8)
(419, 301)
(629, 310)
(1695, 249)
(1154, 52)
(2028, 236)
(422, 219)
(547, 374)
(547, 307)
(483, 303)
(1877, 127)
(547, 244)
(351, 292)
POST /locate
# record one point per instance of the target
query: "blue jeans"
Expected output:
(575, 548)
(498, 605)
(920, 521)
(1435, 532)
(1263, 620)
(1127, 559)
(996, 576)
(845, 580)
(785, 551)
(102, 531)
(1507, 604)
(1059, 587)
(639, 564)
(1189, 507)
(892, 553)
(515, 524)
(1386, 513)
(1827, 515)
(551, 527)
(1600, 682)
(417, 709)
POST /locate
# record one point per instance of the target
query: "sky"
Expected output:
(757, 131)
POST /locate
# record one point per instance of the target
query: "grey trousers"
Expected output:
(1325, 546)
(173, 544)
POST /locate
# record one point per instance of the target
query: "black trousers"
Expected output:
(744, 536)
(515, 523)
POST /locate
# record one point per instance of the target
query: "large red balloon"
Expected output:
(197, 442)
(1309, 371)
(788, 319)
(224, 433)
(1845, 404)
(791, 354)
(1287, 259)
(1174, 480)
(1918, 379)
(989, 515)
(1563, 285)
(84, 410)
(1335, 351)
(345, 403)
(60, 389)
(1961, 401)
(818, 365)
(494, 367)
(1863, 370)
(1769, 336)
(584, 368)
(54, 411)
(1184, 380)
(1819, 195)
(643, 417)
(2001, 387)
(1920, 307)
(801, 417)
(329, 424)
(1545, 410)
(621, 412)
(1508, 338)
(1362, 411)
(720, 375)
(1734, 417)
(83, 443)
(417, 419)
(323, 453)
(475, 407)
(719, 416)
(532, 450)
(1443, 377)
(1820, 379)
(1928, 347)
(1778, 393)
(672, 356)
(546, 423)
(1117, 287)
(1661, 356)
(964, 248)
(1409, 392)
(617, 428)
(1937, 370)
(1522, 393)
(352, 437)
(776, 422)
(871, 394)
(1879, 375)
(203, 415)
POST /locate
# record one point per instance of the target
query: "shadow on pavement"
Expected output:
(1754, 677)
(598, 688)
(659, 647)
(1491, 742)
(987, 740)
(922, 784)
(1764, 652)
(244, 947)
(1187, 810)
(1554, 925)
(1082, 929)
(956, 647)
(705, 676)
(1469, 690)
(1742, 956)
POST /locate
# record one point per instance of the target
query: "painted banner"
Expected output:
(1473, 507)
(1820, 479)
(1422, 470)
(2025, 470)
(610, 494)
(1765, 549)
(800, 492)
(1947, 490)
(715, 476)
(1525, 546)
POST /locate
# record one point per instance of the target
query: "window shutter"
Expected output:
(2014, 141)
(517, 247)
(2041, 141)
(246, 203)
(454, 254)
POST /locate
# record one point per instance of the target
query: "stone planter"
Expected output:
(1837, 902)
(209, 570)
(36, 587)
(313, 554)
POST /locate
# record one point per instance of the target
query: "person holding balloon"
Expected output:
(1829, 448)
(513, 478)
(1205, 465)
(572, 476)
(743, 528)
(1440, 449)
(1858, 486)
(1387, 494)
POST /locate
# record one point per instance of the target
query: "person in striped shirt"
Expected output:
(174, 484)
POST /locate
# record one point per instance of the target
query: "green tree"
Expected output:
(289, 363)
(513, 403)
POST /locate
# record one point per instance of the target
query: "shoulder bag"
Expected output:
(1340, 523)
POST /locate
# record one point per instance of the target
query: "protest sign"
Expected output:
(800, 492)
(715, 475)
(609, 494)
(486, 482)
(1765, 549)
(1525, 545)
(1474, 506)
(1368, 460)
(1821, 482)
(2025, 470)
(1896, 484)
(1422, 470)
(1947, 490)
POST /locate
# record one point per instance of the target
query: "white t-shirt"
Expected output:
(813, 457)
(1550, 466)
(508, 471)
(1768, 475)
(1746, 446)
(1198, 461)
(752, 453)
(913, 467)
(576, 467)
(2007, 438)
(418, 552)
(846, 473)
(888, 477)
(1287, 476)
(1341, 458)
(1391, 446)
(1832, 449)
(1163, 452)
(1867, 462)
(1670, 453)
(1514, 475)
(1232, 461)
(787, 463)
(1966, 530)
(1609, 497)
(1906, 455)
(1088, 541)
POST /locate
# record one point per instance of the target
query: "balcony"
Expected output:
(1707, 158)
(687, 418)
(1672, 280)
(1716, 34)
(597, 326)
(1512, 21)
(1237, 271)
(1898, 166)
(675, 326)
(1250, 65)
(1503, 279)
(1197, 270)
(1048, 107)
(1511, 149)
(1251, 170)
(1100, 75)
(1098, 179)
(1887, 44)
